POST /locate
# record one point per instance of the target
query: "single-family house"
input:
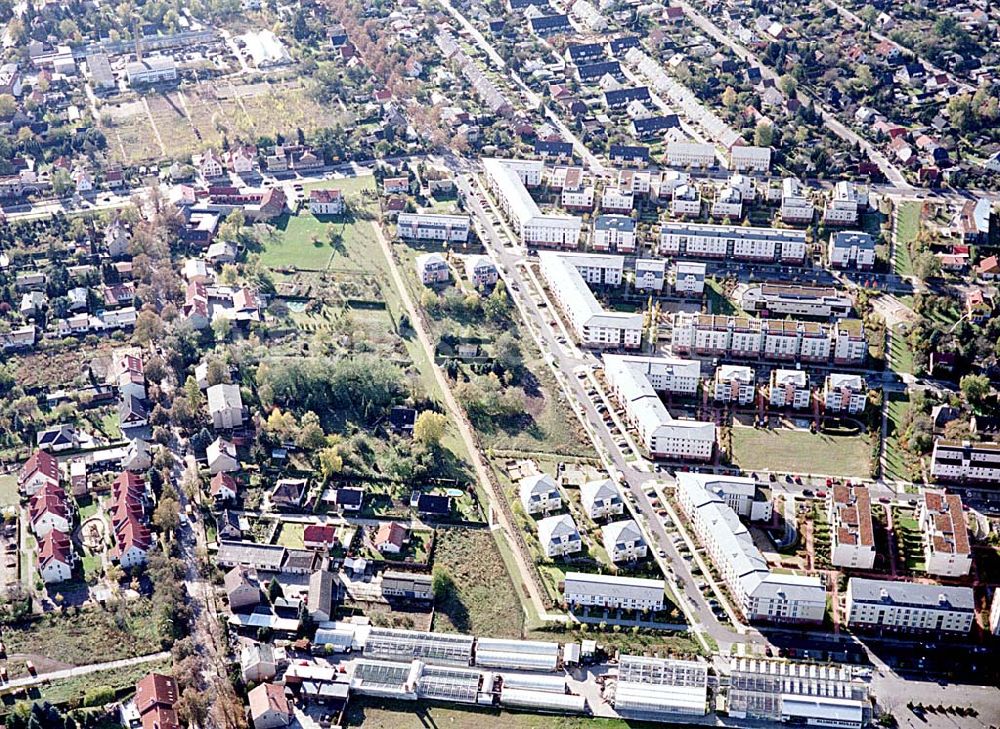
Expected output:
(269, 707)
(559, 536)
(539, 494)
(221, 455)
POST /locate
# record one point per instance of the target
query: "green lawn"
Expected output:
(909, 540)
(900, 354)
(68, 689)
(899, 463)
(799, 451)
(8, 490)
(302, 241)
(483, 601)
(291, 535)
(907, 227)
(720, 303)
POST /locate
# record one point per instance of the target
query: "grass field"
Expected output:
(385, 714)
(291, 535)
(799, 451)
(71, 638)
(907, 227)
(909, 539)
(900, 354)
(899, 464)
(8, 490)
(483, 601)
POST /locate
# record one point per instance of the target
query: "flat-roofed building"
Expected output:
(660, 687)
(689, 277)
(577, 191)
(794, 300)
(789, 389)
(945, 534)
(739, 493)
(852, 538)
(570, 276)
(728, 203)
(614, 200)
(909, 607)
(758, 593)
(650, 274)
(707, 240)
(734, 383)
(582, 589)
(851, 249)
(507, 180)
(808, 694)
(635, 382)
(844, 393)
(796, 207)
(614, 233)
(151, 70)
(842, 208)
(100, 72)
(428, 226)
(959, 461)
(685, 201)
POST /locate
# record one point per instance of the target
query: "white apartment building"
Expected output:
(789, 389)
(842, 208)
(759, 594)
(739, 493)
(569, 277)
(151, 70)
(844, 393)
(623, 541)
(796, 207)
(685, 201)
(947, 551)
(608, 591)
(559, 536)
(744, 337)
(601, 499)
(699, 240)
(432, 268)
(637, 182)
(746, 186)
(481, 271)
(728, 203)
(507, 180)
(431, 226)
(734, 383)
(617, 201)
(752, 159)
(852, 537)
(909, 607)
(635, 382)
(954, 460)
(684, 154)
(793, 300)
(614, 233)
(577, 191)
(650, 274)
(689, 277)
(851, 249)
(664, 185)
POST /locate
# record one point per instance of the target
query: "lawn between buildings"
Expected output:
(800, 451)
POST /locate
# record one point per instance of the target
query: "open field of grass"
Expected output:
(291, 535)
(900, 354)
(384, 714)
(799, 451)
(8, 490)
(899, 464)
(482, 601)
(908, 225)
(909, 539)
(124, 632)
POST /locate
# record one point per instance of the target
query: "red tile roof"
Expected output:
(319, 534)
(945, 523)
(41, 462)
(54, 547)
(853, 512)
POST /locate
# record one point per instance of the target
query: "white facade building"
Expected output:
(481, 271)
(684, 154)
(619, 201)
(601, 499)
(428, 226)
(623, 541)
(954, 460)
(752, 159)
(635, 382)
(795, 300)
(650, 274)
(851, 249)
(507, 180)
(559, 536)
(569, 276)
(614, 233)
(699, 240)
(432, 268)
(539, 494)
(686, 201)
(909, 607)
(728, 203)
(844, 393)
(734, 383)
(689, 277)
(945, 534)
(796, 207)
(789, 389)
(608, 591)
(842, 208)
(852, 537)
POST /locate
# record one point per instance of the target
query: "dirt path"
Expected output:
(458, 419)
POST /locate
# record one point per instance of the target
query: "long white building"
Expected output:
(759, 594)
(795, 300)
(636, 382)
(660, 687)
(570, 276)
(954, 460)
(909, 606)
(842, 342)
(705, 240)
(431, 226)
(508, 180)
(608, 591)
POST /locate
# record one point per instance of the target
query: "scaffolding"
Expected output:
(404, 645)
